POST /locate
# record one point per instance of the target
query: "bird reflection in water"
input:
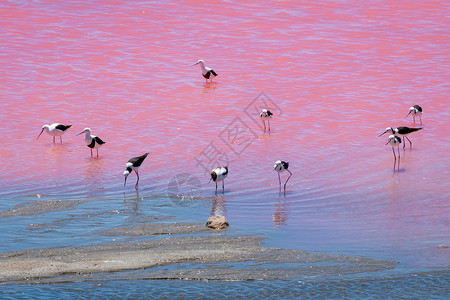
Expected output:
(218, 206)
(279, 216)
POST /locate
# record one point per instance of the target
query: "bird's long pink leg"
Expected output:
(223, 187)
(420, 117)
(290, 174)
(410, 143)
(404, 142)
(53, 140)
(216, 187)
(395, 158)
(60, 138)
(137, 181)
(264, 124)
(97, 152)
(91, 152)
(398, 166)
(268, 122)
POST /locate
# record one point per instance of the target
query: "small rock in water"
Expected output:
(217, 222)
(443, 246)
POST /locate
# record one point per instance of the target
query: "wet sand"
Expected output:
(197, 253)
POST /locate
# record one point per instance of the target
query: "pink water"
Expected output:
(335, 73)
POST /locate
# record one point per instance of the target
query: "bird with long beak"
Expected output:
(395, 141)
(415, 110)
(207, 73)
(92, 141)
(281, 166)
(402, 131)
(133, 164)
(54, 130)
(219, 174)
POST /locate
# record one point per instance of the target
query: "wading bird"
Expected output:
(208, 73)
(219, 174)
(415, 110)
(280, 167)
(395, 141)
(402, 131)
(133, 164)
(266, 115)
(92, 141)
(54, 130)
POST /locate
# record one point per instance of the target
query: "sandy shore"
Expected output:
(199, 254)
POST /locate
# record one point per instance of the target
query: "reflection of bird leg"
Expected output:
(223, 187)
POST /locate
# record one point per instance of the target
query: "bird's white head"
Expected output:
(277, 165)
(387, 129)
(86, 130)
(46, 128)
(393, 140)
(200, 61)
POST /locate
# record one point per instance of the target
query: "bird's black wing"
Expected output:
(92, 144)
(418, 108)
(99, 140)
(406, 130)
(63, 127)
(214, 73)
(137, 161)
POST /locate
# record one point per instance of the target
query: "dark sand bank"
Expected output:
(200, 254)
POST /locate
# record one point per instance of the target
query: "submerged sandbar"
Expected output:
(198, 254)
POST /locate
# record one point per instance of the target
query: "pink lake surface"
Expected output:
(335, 74)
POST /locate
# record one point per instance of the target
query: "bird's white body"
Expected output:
(207, 73)
(221, 173)
(394, 141)
(92, 141)
(265, 115)
(88, 138)
(279, 166)
(415, 111)
(54, 130)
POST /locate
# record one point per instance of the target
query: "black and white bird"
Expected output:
(281, 166)
(92, 141)
(266, 115)
(402, 131)
(395, 141)
(219, 174)
(415, 110)
(133, 164)
(208, 73)
(55, 130)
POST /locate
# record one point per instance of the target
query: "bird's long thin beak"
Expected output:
(388, 141)
(195, 64)
(408, 114)
(79, 133)
(40, 133)
(382, 133)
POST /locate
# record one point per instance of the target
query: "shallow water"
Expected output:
(334, 73)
